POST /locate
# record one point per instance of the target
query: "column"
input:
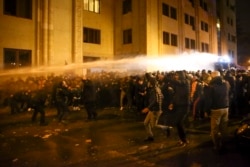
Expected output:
(77, 31)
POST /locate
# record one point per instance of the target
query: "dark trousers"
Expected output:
(63, 110)
(91, 109)
(38, 109)
(140, 103)
(180, 113)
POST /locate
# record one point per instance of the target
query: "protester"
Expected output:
(89, 99)
(126, 94)
(140, 95)
(76, 93)
(181, 104)
(153, 108)
(230, 78)
(196, 98)
(217, 104)
(62, 93)
(37, 103)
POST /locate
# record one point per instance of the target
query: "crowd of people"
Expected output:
(218, 94)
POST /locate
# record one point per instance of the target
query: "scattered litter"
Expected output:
(88, 141)
(46, 136)
(14, 160)
(143, 148)
(162, 146)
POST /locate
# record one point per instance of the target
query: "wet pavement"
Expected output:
(109, 141)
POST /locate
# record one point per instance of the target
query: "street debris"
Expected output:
(46, 136)
(88, 140)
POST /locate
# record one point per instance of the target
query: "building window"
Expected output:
(204, 26)
(232, 7)
(166, 38)
(233, 38)
(192, 22)
(189, 20)
(203, 5)
(127, 36)
(165, 9)
(204, 47)
(169, 39)
(189, 43)
(230, 21)
(174, 40)
(92, 5)
(228, 36)
(91, 35)
(18, 8)
(192, 2)
(186, 16)
(126, 6)
(192, 44)
(231, 54)
(16, 58)
(172, 13)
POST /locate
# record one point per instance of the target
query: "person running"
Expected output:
(153, 108)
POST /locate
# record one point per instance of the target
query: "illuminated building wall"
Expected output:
(227, 29)
(17, 31)
(58, 32)
(167, 27)
(52, 32)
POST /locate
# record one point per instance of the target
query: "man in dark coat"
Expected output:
(37, 103)
(140, 95)
(62, 93)
(180, 104)
(217, 103)
(89, 99)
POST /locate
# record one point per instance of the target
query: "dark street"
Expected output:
(108, 141)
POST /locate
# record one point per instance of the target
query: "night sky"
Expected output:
(243, 29)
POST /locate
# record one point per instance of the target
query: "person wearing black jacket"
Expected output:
(62, 93)
(140, 94)
(37, 103)
(217, 104)
(89, 99)
(180, 104)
